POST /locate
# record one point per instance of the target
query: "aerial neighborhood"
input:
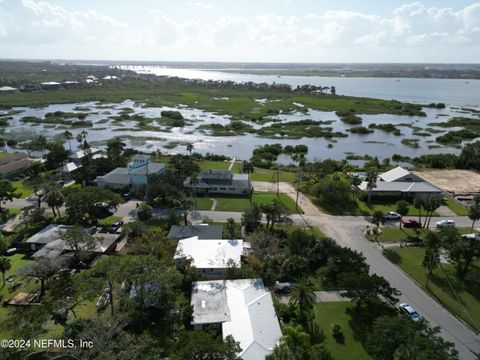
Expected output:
(171, 249)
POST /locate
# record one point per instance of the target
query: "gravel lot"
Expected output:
(454, 181)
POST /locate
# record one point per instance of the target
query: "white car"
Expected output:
(409, 311)
(445, 223)
(392, 216)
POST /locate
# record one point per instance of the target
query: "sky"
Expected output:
(314, 31)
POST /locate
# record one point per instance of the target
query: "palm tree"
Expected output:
(190, 148)
(474, 211)
(68, 136)
(302, 295)
(54, 199)
(402, 210)
(371, 179)
(355, 182)
(431, 204)
(418, 204)
(377, 219)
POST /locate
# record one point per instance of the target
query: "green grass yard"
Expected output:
(202, 203)
(385, 206)
(329, 313)
(239, 204)
(409, 259)
(395, 234)
(260, 174)
(21, 189)
(456, 207)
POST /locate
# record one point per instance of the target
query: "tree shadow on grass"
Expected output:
(392, 256)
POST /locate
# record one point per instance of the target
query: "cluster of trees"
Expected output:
(266, 155)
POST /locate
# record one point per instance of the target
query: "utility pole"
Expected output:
(278, 181)
(299, 178)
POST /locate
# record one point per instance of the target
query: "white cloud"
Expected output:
(35, 22)
(46, 24)
(200, 4)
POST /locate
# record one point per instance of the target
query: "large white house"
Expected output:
(220, 182)
(136, 173)
(242, 309)
(211, 256)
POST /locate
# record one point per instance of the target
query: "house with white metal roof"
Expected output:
(399, 174)
(401, 189)
(211, 256)
(243, 309)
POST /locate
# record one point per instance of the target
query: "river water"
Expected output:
(455, 93)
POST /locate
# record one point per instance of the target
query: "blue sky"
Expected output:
(247, 30)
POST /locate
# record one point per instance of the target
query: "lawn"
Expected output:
(456, 207)
(468, 291)
(260, 174)
(109, 221)
(385, 206)
(395, 234)
(3, 154)
(213, 165)
(17, 261)
(239, 204)
(202, 203)
(21, 189)
(329, 313)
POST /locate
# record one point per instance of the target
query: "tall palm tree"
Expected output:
(418, 204)
(474, 213)
(402, 210)
(190, 148)
(54, 199)
(377, 219)
(68, 136)
(355, 182)
(371, 179)
(302, 295)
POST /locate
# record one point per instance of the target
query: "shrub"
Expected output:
(337, 333)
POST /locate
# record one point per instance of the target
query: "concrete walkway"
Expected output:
(304, 202)
(214, 204)
(445, 211)
(11, 224)
(321, 296)
(232, 163)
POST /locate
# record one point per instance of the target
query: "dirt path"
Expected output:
(286, 188)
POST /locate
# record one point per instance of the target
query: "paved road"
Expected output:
(347, 230)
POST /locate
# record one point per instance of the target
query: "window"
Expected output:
(222, 188)
(233, 189)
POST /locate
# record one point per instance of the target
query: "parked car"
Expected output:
(409, 311)
(115, 226)
(445, 223)
(283, 287)
(411, 223)
(391, 215)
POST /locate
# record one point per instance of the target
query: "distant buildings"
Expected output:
(5, 89)
(211, 256)
(14, 165)
(136, 173)
(68, 169)
(77, 156)
(220, 182)
(240, 308)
